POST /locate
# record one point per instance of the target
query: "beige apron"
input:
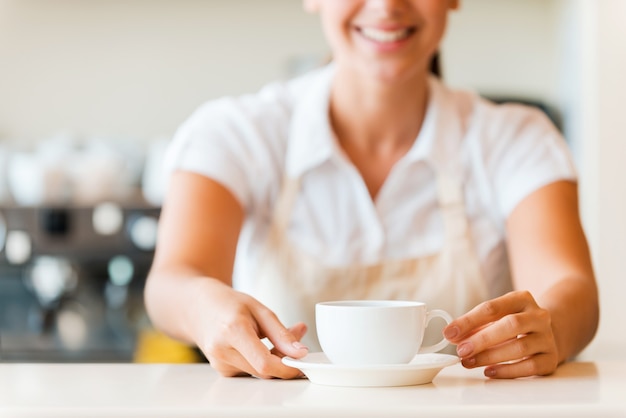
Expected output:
(291, 282)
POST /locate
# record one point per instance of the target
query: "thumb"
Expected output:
(285, 341)
(299, 330)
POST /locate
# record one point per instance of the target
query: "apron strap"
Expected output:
(451, 202)
(284, 204)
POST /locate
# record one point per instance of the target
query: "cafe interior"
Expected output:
(92, 91)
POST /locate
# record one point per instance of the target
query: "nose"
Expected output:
(389, 7)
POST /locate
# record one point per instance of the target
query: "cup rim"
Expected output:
(376, 303)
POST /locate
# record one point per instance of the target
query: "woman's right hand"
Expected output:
(230, 329)
(189, 293)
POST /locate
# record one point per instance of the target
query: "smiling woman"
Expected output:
(371, 179)
(137, 68)
(100, 67)
(349, 28)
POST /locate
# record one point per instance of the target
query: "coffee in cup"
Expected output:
(375, 332)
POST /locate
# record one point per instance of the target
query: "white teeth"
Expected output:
(384, 36)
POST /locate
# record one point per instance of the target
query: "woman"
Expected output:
(370, 179)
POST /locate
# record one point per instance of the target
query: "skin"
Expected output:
(554, 315)
(189, 292)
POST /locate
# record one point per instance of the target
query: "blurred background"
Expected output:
(91, 91)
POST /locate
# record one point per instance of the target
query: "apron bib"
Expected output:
(291, 282)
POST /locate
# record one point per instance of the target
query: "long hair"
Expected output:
(435, 65)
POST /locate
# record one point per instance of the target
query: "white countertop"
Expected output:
(578, 389)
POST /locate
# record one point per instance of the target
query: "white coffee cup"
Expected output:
(375, 332)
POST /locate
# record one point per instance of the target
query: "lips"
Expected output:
(386, 36)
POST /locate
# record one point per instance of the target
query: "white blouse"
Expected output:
(249, 143)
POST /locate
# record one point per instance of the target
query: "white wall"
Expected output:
(138, 67)
(504, 48)
(603, 150)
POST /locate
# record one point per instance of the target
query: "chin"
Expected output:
(393, 74)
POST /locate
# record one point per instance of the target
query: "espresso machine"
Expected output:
(71, 281)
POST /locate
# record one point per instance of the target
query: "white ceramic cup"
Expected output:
(375, 332)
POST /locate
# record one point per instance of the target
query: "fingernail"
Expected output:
(490, 372)
(469, 362)
(464, 349)
(299, 346)
(451, 333)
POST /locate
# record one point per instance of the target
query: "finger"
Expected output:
(298, 331)
(539, 365)
(283, 339)
(505, 329)
(263, 362)
(487, 312)
(235, 365)
(512, 350)
(232, 367)
(467, 335)
(228, 362)
(242, 349)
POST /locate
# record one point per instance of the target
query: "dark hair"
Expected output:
(435, 65)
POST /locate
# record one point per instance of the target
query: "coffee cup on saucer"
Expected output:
(375, 332)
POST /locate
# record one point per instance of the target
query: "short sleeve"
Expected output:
(524, 151)
(235, 141)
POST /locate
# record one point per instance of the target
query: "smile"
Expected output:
(386, 36)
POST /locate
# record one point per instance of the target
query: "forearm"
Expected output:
(574, 309)
(172, 301)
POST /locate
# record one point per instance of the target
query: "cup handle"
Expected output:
(436, 313)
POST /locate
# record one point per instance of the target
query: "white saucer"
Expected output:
(422, 369)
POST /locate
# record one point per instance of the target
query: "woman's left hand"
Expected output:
(511, 335)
